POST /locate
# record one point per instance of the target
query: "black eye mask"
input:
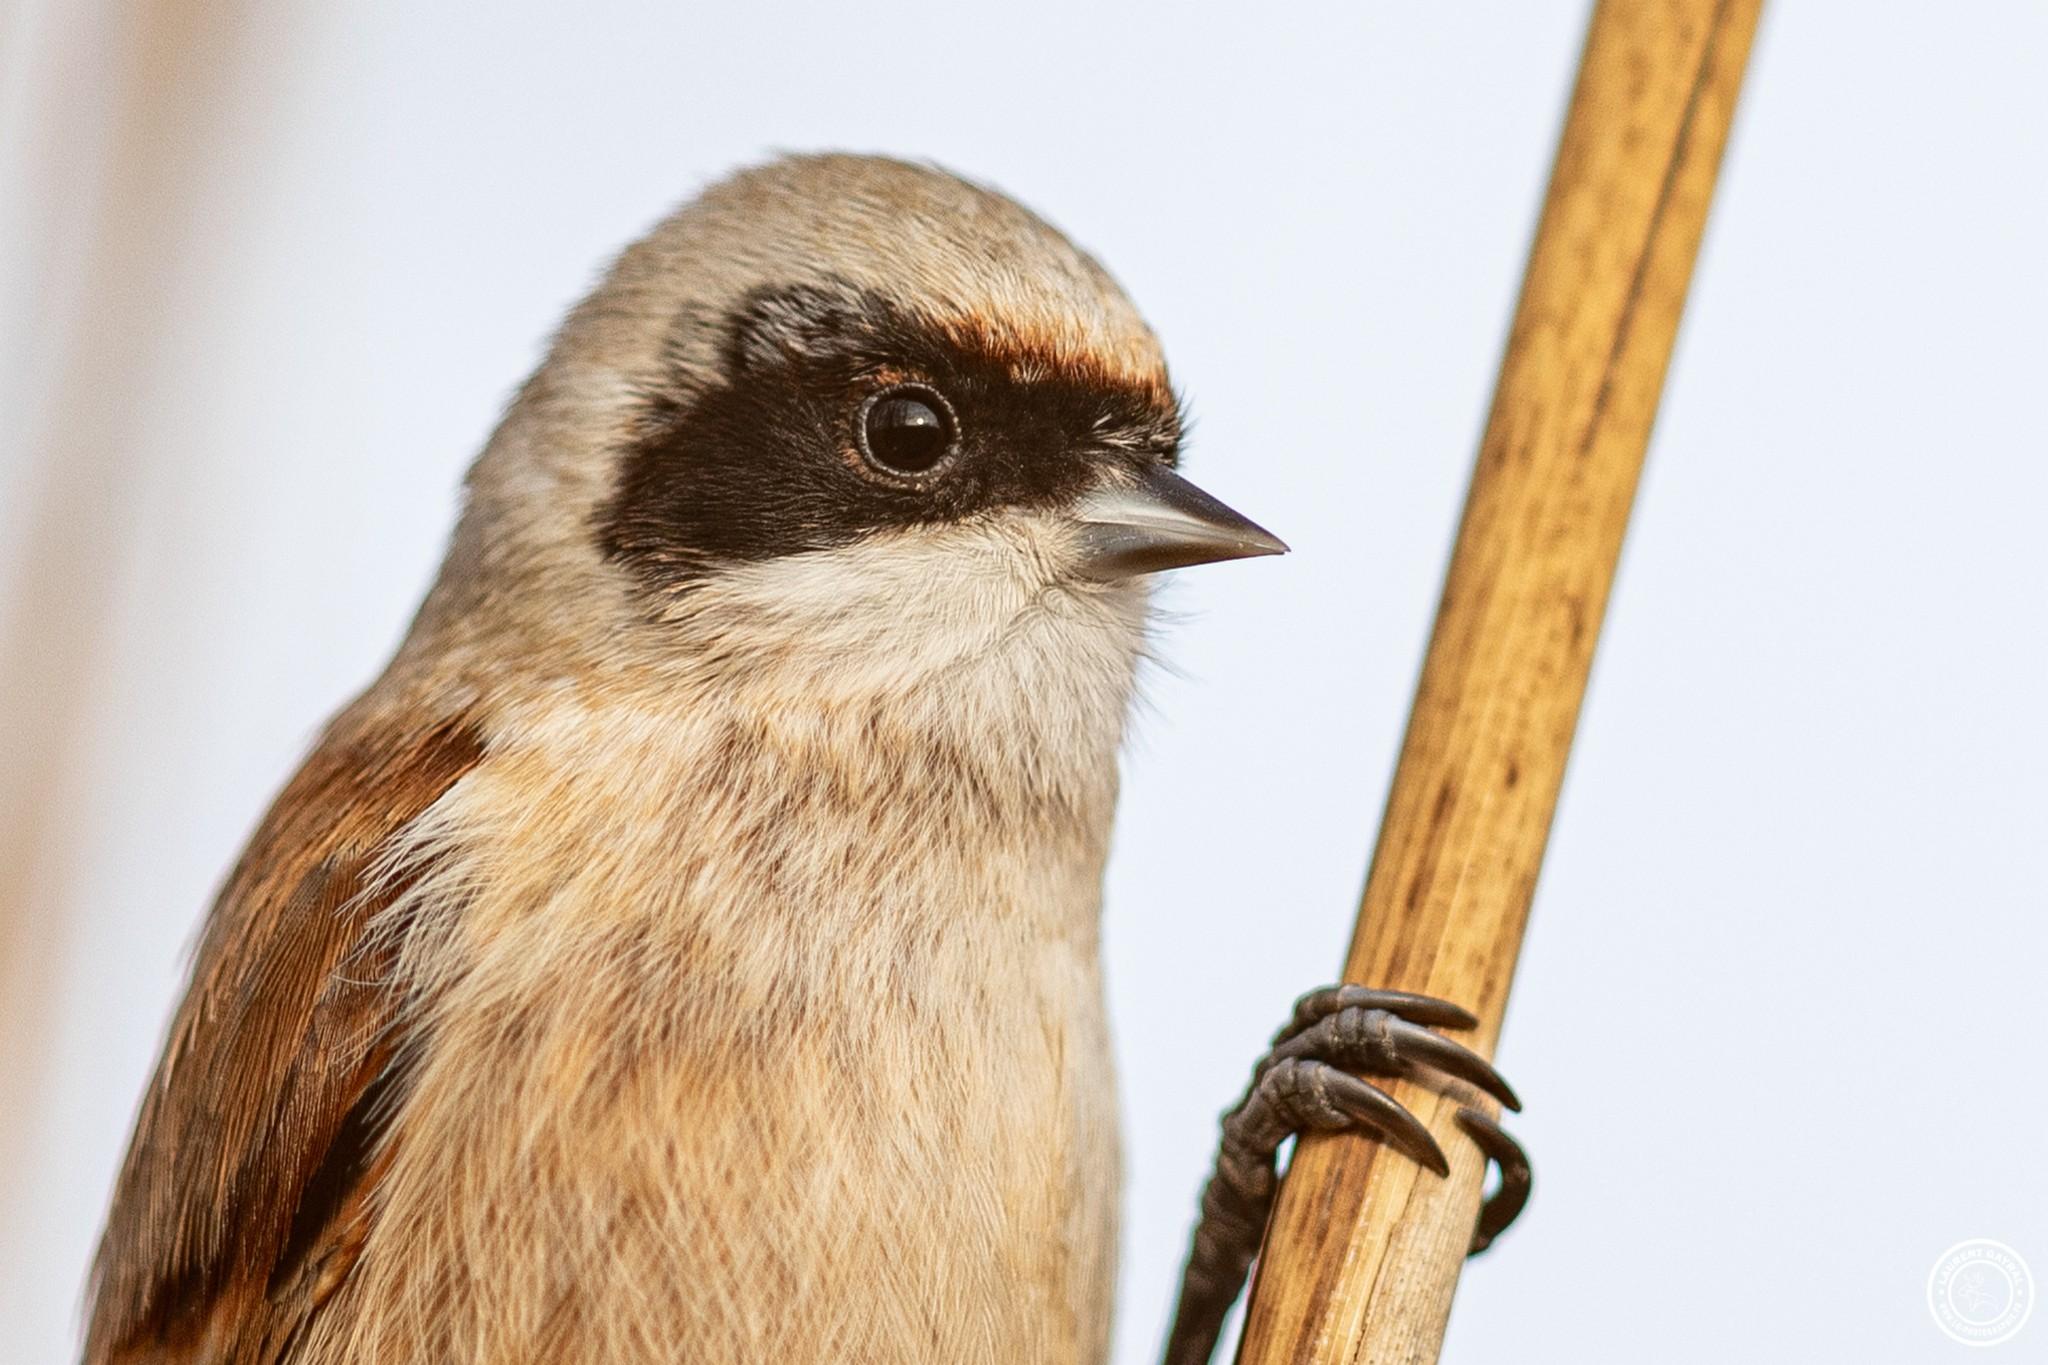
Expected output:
(837, 414)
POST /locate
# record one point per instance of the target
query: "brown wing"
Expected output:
(241, 1205)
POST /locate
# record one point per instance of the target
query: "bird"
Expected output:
(688, 947)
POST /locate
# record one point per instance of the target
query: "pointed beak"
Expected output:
(1163, 522)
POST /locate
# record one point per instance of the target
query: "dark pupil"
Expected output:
(906, 435)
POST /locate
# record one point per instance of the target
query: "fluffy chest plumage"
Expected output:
(748, 1038)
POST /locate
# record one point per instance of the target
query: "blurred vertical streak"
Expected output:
(111, 107)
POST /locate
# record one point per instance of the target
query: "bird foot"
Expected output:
(1306, 1083)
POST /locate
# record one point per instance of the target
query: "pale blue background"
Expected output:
(1779, 1015)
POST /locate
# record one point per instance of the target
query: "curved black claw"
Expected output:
(1505, 1204)
(1372, 1108)
(1375, 1040)
(1423, 1009)
(1306, 1083)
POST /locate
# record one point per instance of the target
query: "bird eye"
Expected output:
(907, 431)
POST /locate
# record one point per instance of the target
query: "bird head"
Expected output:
(843, 422)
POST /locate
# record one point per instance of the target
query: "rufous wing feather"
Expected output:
(245, 1196)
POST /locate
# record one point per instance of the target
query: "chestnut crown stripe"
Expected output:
(837, 413)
